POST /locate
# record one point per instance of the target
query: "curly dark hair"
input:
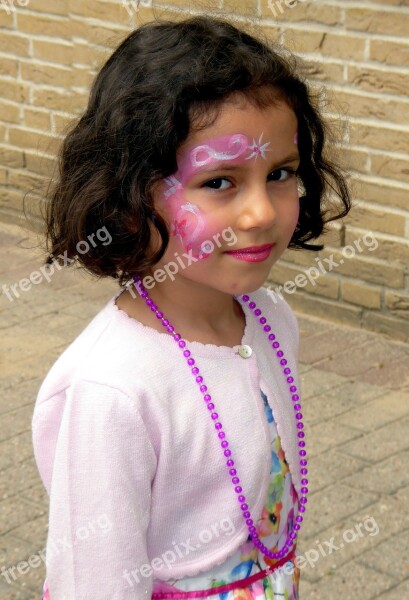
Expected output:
(147, 98)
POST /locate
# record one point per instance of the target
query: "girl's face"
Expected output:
(235, 187)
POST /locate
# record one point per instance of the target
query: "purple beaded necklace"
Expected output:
(219, 428)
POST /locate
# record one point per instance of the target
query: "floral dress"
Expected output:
(280, 508)
(275, 523)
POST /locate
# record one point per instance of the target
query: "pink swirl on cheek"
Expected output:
(227, 147)
(188, 224)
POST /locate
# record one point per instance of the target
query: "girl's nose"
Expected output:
(257, 209)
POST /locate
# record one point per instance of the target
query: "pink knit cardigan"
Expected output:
(129, 456)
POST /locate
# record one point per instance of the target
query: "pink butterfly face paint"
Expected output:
(188, 222)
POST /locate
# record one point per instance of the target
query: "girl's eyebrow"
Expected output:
(222, 165)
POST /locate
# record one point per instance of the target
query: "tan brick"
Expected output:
(13, 43)
(330, 310)
(296, 11)
(37, 119)
(361, 105)
(44, 25)
(14, 90)
(386, 194)
(99, 9)
(31, 139)
(46, 75)
(376, 219)
(10, 113)
(331, 238)
(6, 16)
(299, 40)
(325, 285)
(292, 258)
(389, 23)
(391, 2)
(3, 176)
(66, 101)
(374, 80)
(394, 140)
(11, 157)
(387, 325)
(37, 163)
(384, 247)
(35, 210)
(83, 77)
(11, 199)
(272, 33)
(342, 46)
(25, 181)
(239, 7)
(56, 7)
(108, 35)
(398, 303)
(324, 71)
(2, 133)
(63, 122)
(8, 67)
(390, 167)
(354, 159)
(360, 294)
(84, 54)
(53, 51)
(390, 53)
(366, 268)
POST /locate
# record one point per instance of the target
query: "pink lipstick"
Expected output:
(252, 253)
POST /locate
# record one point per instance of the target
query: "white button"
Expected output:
(245, 351)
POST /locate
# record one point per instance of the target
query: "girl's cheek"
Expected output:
(187, 223)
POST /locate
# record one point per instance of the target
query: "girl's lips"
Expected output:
(252, 255)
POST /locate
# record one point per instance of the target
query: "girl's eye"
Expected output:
(216, 181)
(283, 174)
(221, 183)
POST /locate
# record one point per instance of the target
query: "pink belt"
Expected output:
(242, 583)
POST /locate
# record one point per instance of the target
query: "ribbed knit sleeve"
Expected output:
(99, 492)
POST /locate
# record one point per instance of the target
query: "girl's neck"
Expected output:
(225, 329)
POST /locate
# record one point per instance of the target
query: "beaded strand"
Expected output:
(230, 464)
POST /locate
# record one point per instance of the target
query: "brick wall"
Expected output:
(50, 51)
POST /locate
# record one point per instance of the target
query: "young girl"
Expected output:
(175, 416)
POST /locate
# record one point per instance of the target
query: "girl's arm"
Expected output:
(100, 495)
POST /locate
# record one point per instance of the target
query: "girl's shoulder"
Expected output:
(113, 350)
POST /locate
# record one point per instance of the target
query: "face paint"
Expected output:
(188, 221)
(295, 139)
(258, 149)
(227, 147)
(188, 224)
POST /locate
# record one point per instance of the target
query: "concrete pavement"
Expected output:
(355, 394)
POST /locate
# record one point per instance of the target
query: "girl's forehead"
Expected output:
(273, 123)
(238, 136)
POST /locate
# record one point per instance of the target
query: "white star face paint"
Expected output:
(258, 149)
